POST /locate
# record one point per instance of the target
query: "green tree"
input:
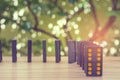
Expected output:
(57, 19)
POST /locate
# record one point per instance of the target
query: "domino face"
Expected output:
(14, 51)
(91, 58)
(94, 61)
(87, 44)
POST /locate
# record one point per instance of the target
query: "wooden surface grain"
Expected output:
(37, 70)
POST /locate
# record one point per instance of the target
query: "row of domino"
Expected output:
(85, 53)
(29, 55)
(89, 57)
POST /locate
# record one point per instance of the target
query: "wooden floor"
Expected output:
(54, 71)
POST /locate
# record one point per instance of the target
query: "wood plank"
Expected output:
(37, 70)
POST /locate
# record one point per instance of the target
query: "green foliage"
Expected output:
(112, 13)
(6, 44)
(27, 26)
(60, 13)
(38, 44)
(73, 1)
(4, 5)
(52, 19)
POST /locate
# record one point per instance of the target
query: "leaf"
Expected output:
(73, 1)
(27, 26)
(37, 43)
(44, 8)
(37, 53)
(51, 7)
(4, 4)
(5, 44)
(80, 5)
(112, 13)
(60, 13)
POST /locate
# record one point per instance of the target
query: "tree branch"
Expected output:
(12, 20)
(36, 22)
(76, 13)
(68, 19)
(45, 32)
(110, 22)
(98, 34)
(105, 29)
(114, 5)
(94, 16)
(33, 14)
(55, 2)
(36, 29)
(94, 13)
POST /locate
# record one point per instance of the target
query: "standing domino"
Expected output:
(78, 52)
(29, 50)
(57, 51)
(44, 50)
(71, 51)
(14, 51)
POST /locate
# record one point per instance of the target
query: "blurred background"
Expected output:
(94, 20)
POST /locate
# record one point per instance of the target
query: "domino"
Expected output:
(44, 51)
(57, 51)
(94, 61)
(14, 51)
(71, 51)
(29, 51)
(78, 49)
(87, 54)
